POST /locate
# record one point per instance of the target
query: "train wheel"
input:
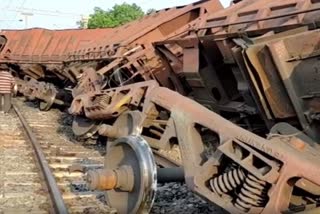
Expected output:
(130, 176)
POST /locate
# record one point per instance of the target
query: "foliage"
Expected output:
(117, 16)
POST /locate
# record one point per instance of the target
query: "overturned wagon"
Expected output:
(36, 58)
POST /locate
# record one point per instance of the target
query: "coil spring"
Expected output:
(227, 181)
(252, 194)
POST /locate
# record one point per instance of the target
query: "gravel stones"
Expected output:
(177, 198)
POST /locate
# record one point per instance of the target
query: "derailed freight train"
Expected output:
(236, 90)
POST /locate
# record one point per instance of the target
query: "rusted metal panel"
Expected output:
(252, 16)
(264, 74)
(41, 45)
(45, 46)
(154, 27)
(296, 60)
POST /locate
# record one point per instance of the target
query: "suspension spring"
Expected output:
(228, 181)
(252, 194)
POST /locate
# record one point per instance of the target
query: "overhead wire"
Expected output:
(5, 13)
(43, 12)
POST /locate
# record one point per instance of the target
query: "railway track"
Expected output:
(37, 159)
(22, 187)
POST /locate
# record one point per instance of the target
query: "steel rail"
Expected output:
(55, 194)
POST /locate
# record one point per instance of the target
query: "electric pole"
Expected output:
(26, 15)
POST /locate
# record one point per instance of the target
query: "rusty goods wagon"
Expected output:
(36, 49)
(35, 55)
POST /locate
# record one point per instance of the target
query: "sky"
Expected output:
(60, 14)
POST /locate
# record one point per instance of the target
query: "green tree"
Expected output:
(118, 15)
